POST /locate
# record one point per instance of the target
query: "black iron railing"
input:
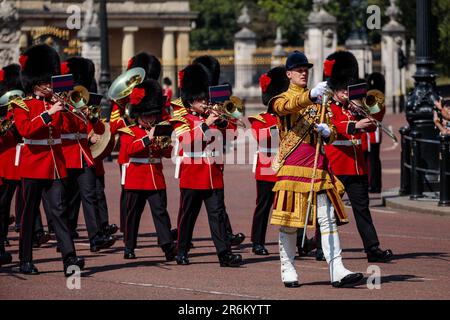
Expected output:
(413, 175)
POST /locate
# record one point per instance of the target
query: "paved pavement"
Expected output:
(421, 244)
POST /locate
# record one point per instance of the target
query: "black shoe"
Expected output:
(237, 239)
(128, 254)
(170, 252)
(293, 284)
(28, 268)
(309, 246)
(260, 250)
(73, 261)
(229, 259)
(101, 242)
(5, 258)
(110, 229)
(319, 255)
(377, 255)
(348, 281)
(42, 238)
(182, 259)
(75, 235)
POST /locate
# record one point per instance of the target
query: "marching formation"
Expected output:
(313, 146)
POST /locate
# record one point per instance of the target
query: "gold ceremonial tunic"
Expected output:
(294, 176)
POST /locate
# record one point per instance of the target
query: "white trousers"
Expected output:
(330, 244)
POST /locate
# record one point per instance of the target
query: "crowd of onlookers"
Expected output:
(442, 116)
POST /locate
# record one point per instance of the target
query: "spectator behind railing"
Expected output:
(441, 116)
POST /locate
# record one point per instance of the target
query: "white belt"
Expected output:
(204, 154)
(74, 136)
(42, 142)
(268, 150)
(145, 160)
(348, 143)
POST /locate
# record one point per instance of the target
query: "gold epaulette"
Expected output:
(20, 103)
(184, 127)
(164, 123)
(127, 130)
(177, 103)
(257, 117)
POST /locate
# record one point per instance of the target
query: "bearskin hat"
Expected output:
(212, 65)
(148, 62)
(376, 81)
(146, 98)
(39, 63)
(83, 71)
(10, 79)
(273, 83)
(341, 70)
(194, 83)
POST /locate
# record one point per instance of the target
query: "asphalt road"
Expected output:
(420, 269)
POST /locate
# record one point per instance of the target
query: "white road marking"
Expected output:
(194, 290)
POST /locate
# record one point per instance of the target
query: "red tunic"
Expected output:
(40, 161)
(74, 135)
(346, 154)
(8, 144)
(261, 129)
(141, 173)
(199, 169)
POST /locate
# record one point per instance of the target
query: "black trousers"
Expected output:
(123, 209)
(7, 191)
(264, 203)
(375, 175)
(102, 205)
(190, 204)
(82, 186)
(54, 192)
(357, 189)
(157, 200)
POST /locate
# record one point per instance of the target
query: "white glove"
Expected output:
(324, 130)
(318, 90)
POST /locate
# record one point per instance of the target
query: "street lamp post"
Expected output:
(105, 80)
(420, 104)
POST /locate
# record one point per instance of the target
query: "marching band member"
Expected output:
(213, 66)
(41, 163)
(201, 177)
(299, 131)
(144, 178)
(264, 128)
(375, 81)
(119, 120)
(78, 157)
(346, 154)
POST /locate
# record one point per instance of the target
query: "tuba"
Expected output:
(10, 96)
(123, 85)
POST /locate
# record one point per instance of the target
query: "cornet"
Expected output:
(5, 125)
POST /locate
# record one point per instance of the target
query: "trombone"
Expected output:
(76, 97)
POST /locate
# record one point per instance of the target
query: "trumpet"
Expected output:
(230, 110)
(162, 142)
(371, 104)
(5, 125)
(66, 105)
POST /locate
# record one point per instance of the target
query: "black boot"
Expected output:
(128, 254)
(237, 239)
(101, 242)
(170, 251)
(319, 255)
(229, 259)
(259, 250)
(28, 268)
(110, 229)
(5, 257)
(348, 281)
(41, 238)
(182, 259)
(375, 254)
(72, 261)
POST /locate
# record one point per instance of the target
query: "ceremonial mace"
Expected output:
(325, 98)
